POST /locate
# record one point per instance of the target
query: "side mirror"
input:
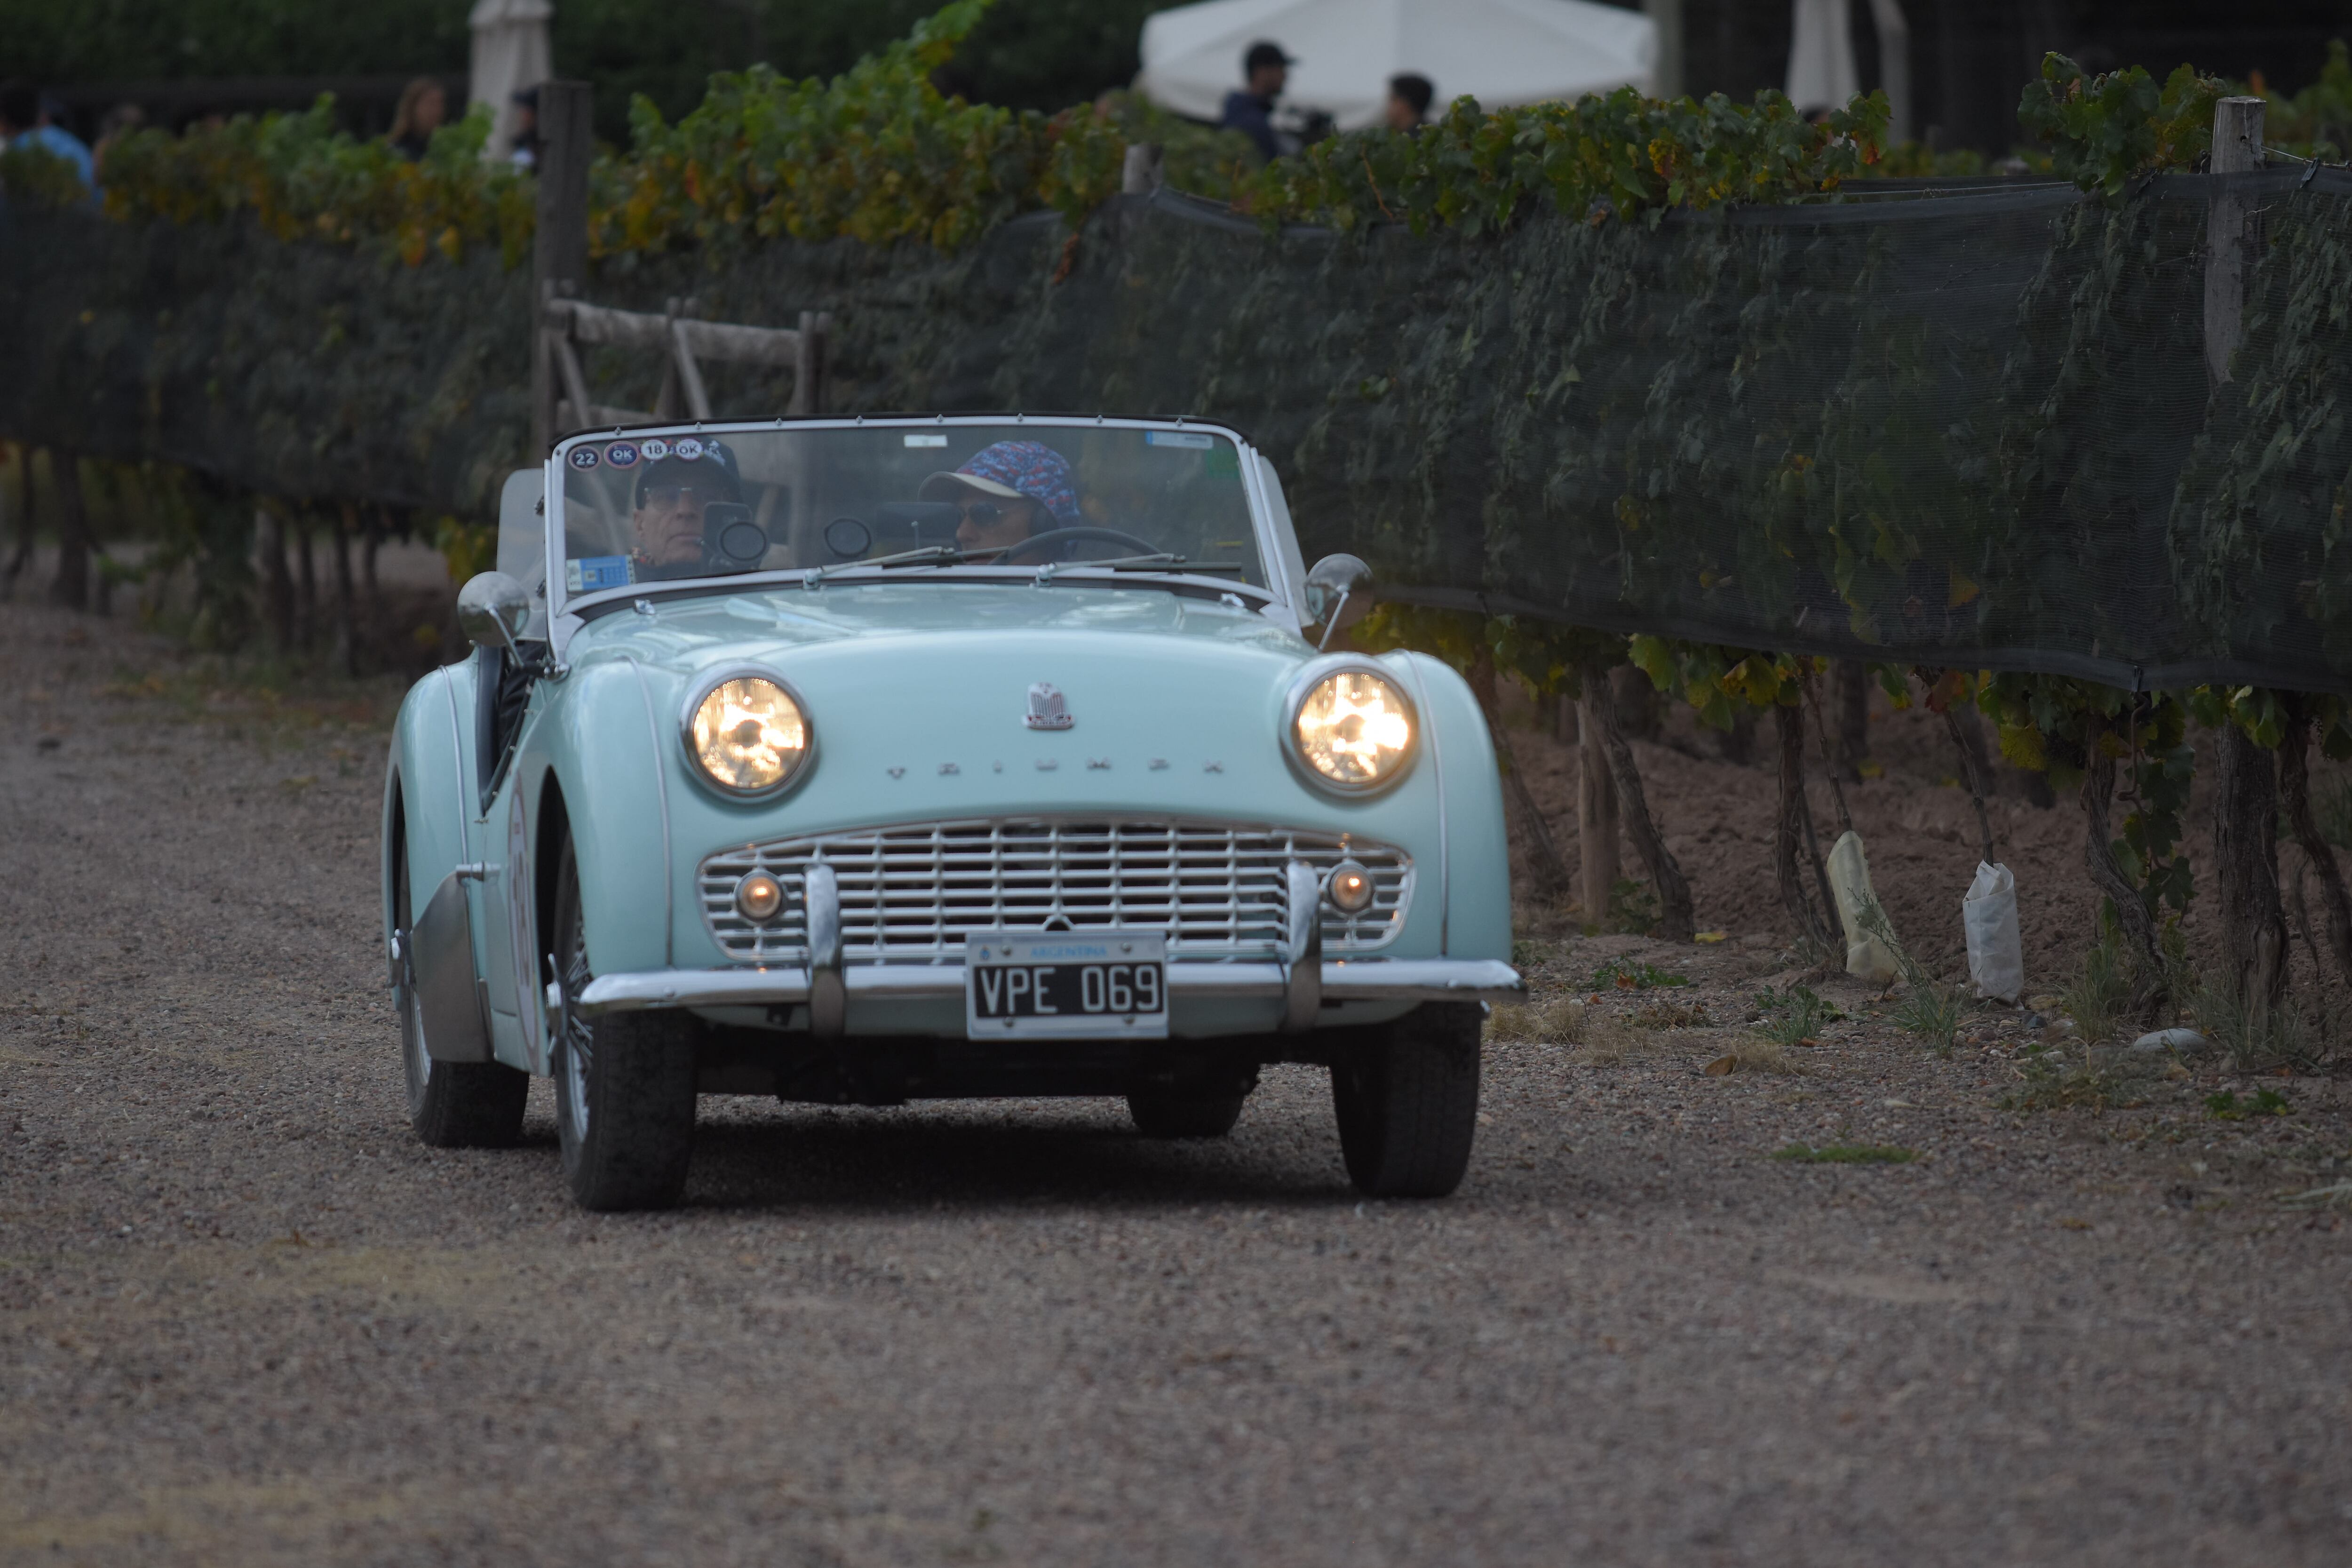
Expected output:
(1338, 594)
(492, 610)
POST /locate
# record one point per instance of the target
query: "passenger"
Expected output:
(1006, 493)
(668, 537)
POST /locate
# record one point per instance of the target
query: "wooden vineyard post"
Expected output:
(1144, 169)
(1596, 809)
(2246, 804)
(2237, 150)
(559, 260)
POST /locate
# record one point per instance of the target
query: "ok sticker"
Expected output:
(584, 457)
(654, 449)
(687, 448)
(621, 455)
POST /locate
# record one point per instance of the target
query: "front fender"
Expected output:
(1477, 855)
(425, 797)
(602, 742)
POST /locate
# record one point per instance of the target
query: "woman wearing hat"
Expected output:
(1006, 493)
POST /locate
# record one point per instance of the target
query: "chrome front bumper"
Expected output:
(1346, 979)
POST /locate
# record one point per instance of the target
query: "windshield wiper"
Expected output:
(929, 554)
(1048, 573)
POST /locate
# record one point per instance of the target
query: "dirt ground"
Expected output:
(246, 1318)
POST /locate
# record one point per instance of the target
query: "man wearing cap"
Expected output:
(1251, 110)
(1006, 493)
(667, 537)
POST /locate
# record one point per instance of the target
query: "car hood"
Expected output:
(919, 699)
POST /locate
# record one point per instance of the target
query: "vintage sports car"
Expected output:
(861, 761)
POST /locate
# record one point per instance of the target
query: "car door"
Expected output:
(509, 912)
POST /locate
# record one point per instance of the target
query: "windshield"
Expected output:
(671, 506)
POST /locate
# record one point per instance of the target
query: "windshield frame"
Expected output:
(567, 610)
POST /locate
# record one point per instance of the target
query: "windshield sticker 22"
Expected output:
(584, 457)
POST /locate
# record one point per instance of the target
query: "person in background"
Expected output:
(1410, 97)
(1251, 110)
(25, 121)
(526, 133)
(424, 107)
(119, 122)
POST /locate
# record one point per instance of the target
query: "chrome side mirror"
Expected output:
(1338, 594)
(492, 610)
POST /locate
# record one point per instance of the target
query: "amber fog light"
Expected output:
(758, 896)
(1349, 887)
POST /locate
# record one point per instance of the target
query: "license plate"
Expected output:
(1060, 985)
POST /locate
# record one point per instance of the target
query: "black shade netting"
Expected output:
(1971, 428)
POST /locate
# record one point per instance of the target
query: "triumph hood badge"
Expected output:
(1048, 710)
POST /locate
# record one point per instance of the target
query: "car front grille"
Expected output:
(911, 894)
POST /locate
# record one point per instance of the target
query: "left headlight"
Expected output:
(1354, 729)
(747, 735)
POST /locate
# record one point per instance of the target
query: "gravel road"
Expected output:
(247, 1318)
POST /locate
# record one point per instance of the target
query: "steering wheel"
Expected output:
(1054, 536)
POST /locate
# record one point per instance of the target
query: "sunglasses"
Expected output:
(986, 513)
(668, 495)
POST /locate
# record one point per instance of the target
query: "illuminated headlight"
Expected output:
(747, 735)
(1353, 729)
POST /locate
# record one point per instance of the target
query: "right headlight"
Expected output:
(1354, 729)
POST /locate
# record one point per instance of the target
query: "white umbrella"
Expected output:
(1498, 51)
(511, 53)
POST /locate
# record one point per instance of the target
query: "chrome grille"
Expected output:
(909, 894)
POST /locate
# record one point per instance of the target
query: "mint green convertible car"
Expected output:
(863, 761)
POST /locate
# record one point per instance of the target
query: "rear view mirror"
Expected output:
(733, 537)
(1338, 594)
(847, 539)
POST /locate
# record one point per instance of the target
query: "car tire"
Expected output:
(1406, 1094)
(1166, 1113)
(625, 1084)
(451, 1105)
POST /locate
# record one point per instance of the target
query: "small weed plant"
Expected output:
(1932, 1012)
(1794, 1016)
(2101, 992)
(2253, 1039)
(2228, 1107)
(1619, 975)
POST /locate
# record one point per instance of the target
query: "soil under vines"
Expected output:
(1915, 820)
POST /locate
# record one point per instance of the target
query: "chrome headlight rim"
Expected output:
(700, 692)
(1301, 688)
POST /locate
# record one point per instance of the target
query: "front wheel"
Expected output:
(452, 1105)
(1407, 1097)
(625, 1084)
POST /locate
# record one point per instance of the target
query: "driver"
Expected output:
(666, 524)
(1006, 493)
